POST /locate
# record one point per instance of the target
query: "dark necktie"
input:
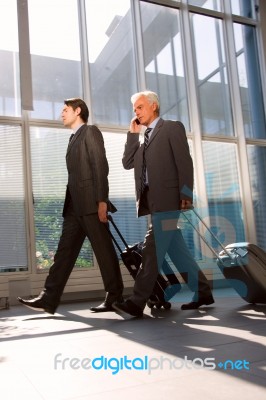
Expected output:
(143, 175)
(70, 138)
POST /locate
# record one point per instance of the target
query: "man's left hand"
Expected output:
(102, 211)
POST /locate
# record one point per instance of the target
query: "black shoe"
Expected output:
(38, 304)
(128, 307)
(193, 305)
(107, 305)
(103, 307)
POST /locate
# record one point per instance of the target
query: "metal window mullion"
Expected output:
(175, 86)
(242, 159)
(138, 44)
(222, 66)
(24, 55)
(26, 104)
(84, 54)
(29, 199)
(190, 64)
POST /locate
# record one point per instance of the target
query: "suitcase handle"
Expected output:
(211, 233)
(110, 218)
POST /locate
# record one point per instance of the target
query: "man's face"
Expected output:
(145, 111)
(70, 116)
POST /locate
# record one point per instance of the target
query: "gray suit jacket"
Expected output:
(87, 172)
(169, 166)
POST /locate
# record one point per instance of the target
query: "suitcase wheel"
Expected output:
(167, 305)
(158, 304)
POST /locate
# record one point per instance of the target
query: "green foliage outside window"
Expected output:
(48, 226)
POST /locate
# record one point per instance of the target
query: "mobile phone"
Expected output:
(137, 121)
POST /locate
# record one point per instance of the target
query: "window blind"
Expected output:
(13, 246)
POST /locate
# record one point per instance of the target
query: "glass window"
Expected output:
(222, 181)
(13, 243)
(111, 57)
(49, 179)
(55, 55)
(257, 168)
(244, 8)
(212, 79)
(249, 81)
(163, 57)
(9, 63)
(122, 191)
(210, 4)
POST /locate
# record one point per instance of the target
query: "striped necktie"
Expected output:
(143, 174)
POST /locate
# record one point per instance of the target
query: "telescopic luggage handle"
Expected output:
(211, 233)
(110, 218)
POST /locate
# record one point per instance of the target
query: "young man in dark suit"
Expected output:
(85, 213)
(163, 169)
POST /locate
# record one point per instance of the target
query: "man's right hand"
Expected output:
(134, 127)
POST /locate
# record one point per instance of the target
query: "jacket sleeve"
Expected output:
(131, 146)
(183, 160)
(99, 164)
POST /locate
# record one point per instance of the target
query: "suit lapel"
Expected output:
(156, 131)
(77, 134)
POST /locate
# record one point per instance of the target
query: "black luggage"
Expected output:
(166, 286)
(242, 264)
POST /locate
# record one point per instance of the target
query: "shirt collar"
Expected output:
(77, 128)
(154, 123)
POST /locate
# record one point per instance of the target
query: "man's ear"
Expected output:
(78, 111)
(154, 106)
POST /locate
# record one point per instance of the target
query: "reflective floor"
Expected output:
(216, 352)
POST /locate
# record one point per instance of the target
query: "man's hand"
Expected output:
(186, 204)
(102, 211)
(134, 127)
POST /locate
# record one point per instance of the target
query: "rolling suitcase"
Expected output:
(243, 264)
(165, 287)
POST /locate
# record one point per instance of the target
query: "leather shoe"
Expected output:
(128, 307)
(104, 307)
(193, 305)
(37, 304)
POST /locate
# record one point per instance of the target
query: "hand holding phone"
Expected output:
(135, 125)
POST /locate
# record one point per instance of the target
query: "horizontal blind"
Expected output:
(13, 246)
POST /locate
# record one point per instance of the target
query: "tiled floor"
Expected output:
(77, 354)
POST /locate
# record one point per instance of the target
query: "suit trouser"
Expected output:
(157, 243)
(75, 230)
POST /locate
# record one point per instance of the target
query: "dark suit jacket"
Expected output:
(87, 172)
(169, 166)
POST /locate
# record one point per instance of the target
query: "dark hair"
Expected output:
(77, 102)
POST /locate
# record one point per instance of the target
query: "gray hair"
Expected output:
(152, 97)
